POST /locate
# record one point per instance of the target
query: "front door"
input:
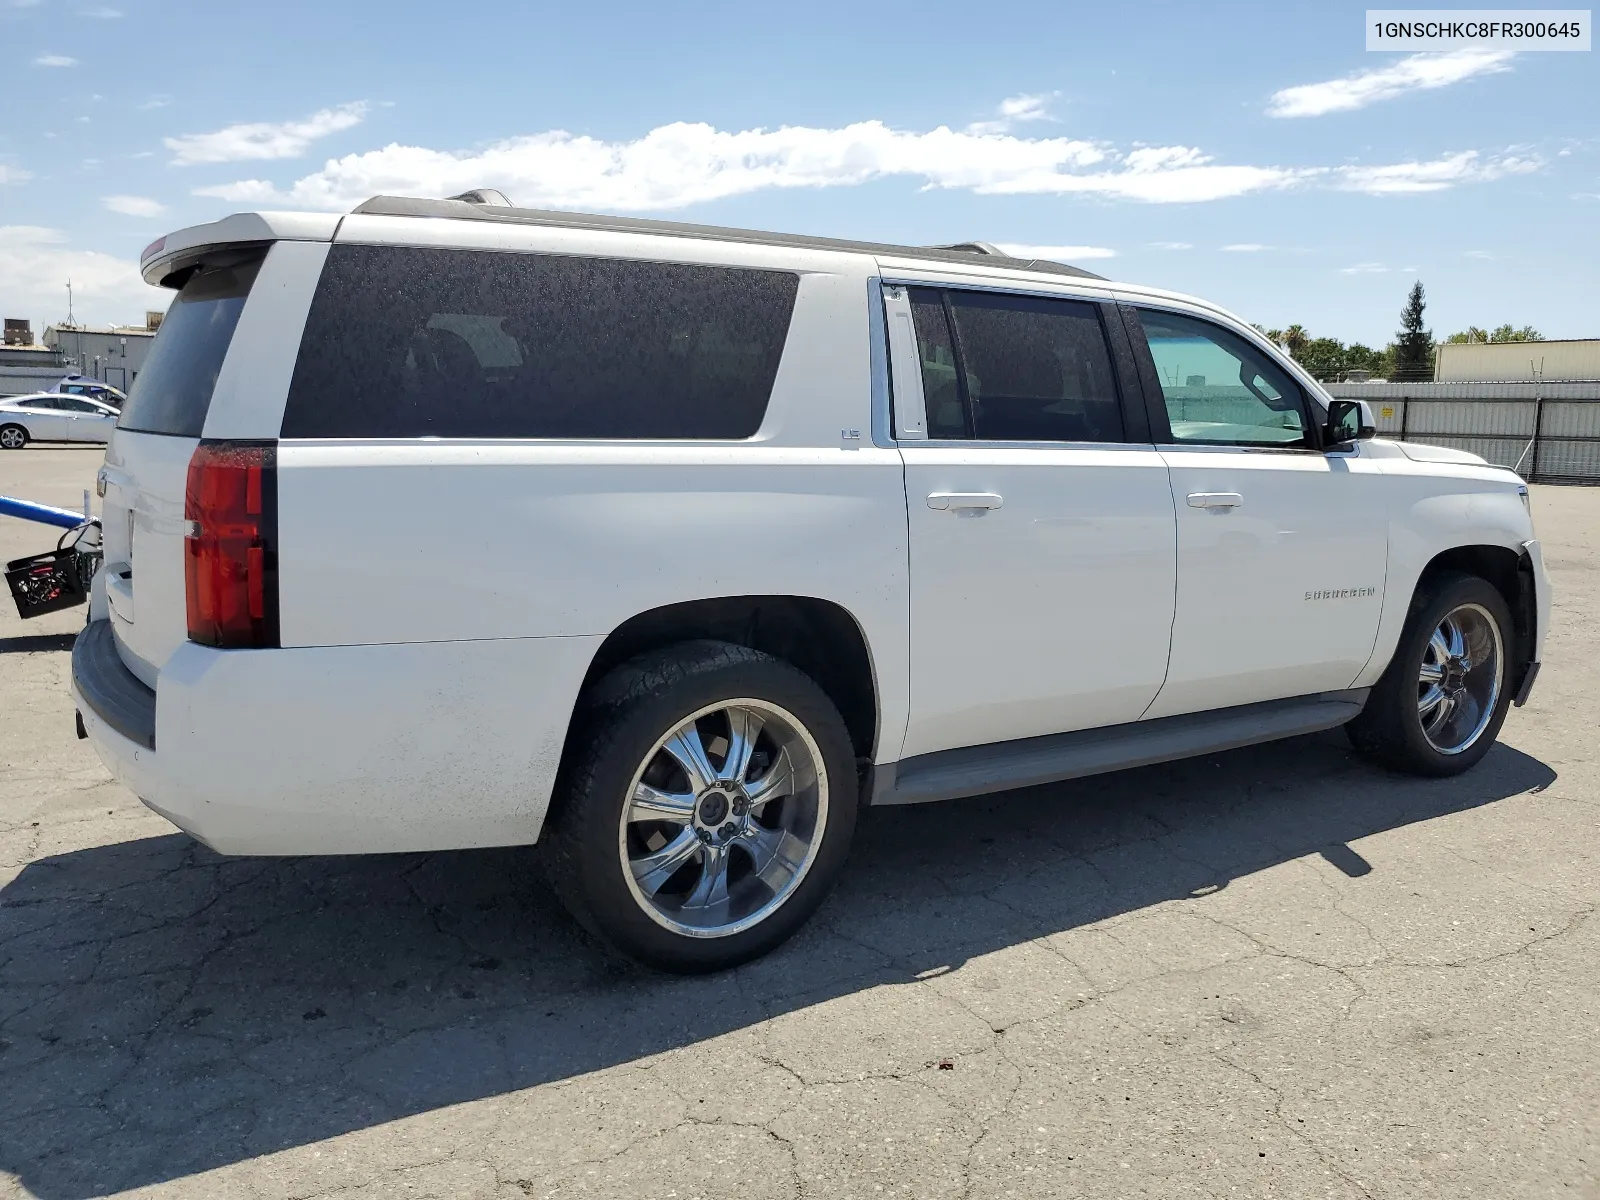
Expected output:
(1042, 539)
(1282, 547)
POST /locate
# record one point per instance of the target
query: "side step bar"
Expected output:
(1002, 766)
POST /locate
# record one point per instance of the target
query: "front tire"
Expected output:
(1440, 703)
(13, 437)
(704, 807)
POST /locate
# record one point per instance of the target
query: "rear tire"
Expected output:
(1440, 703)
(704, 808)
(13, 437)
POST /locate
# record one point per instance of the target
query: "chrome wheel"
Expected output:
(1458, 683)
(724, 818)
(12, 438)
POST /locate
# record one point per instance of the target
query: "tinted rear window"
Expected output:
(174, 388)
(1037, 370)
(407, 342)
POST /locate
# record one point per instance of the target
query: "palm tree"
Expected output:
(1295, 337)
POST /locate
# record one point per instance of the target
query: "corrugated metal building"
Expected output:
(1517, 362)
(113, 354)
(26, 369)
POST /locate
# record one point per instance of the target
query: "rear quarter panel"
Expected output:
(422, 540)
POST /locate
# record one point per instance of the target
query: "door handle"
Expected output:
(956, 501)
(1215, 499)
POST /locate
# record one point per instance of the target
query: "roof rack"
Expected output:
(486, 204)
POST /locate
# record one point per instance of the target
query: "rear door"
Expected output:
(1041, 520)
(147, 461)
(45, 420)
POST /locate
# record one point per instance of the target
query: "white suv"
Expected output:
(448, 524)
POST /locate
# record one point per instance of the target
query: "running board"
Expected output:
(1002, 766)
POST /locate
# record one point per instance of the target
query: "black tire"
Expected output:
(1389, 729)
(15, 431)
(618, 722)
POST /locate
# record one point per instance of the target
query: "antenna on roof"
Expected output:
(487, 196)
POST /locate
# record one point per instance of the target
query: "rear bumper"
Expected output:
(339, 749)
(111, 692)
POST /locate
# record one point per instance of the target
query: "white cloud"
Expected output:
(1066, 254)
(1366, 268)
(103, 13)
(1468, 166)
(13, 174)
(36, 262)
(681, 164)
(1415, 72)
(135, 206)
(1477, 254)
(155, 102)
(264, 139)
(676, 165)
(1014, 110)
(1172, 245)
(1245, 247)
(55, 60)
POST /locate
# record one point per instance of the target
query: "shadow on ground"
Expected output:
(164, 1011)
(35, 643)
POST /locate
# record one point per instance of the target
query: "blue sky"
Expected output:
(1255, 155)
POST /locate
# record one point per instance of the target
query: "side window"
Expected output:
(947, 412)
(407, 342)
(1015, 368)
(1219, 389)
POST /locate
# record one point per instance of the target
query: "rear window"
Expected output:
(408, 342)
(173, 390)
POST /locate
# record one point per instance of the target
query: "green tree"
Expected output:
(1504, 333)
(1363, 358)
(1413, 345)
(1325, 358)
(1295, 337)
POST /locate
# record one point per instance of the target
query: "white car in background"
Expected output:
(54, 417)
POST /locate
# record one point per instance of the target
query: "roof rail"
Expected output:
(487, 196)
(974, 248)
(464, 208)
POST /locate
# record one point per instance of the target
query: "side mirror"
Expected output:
(1348, 421)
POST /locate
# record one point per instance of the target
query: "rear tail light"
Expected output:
(230, 563)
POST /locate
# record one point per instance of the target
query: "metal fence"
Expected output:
(1546, 432)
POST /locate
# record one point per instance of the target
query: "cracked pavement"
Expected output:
(1274, 972)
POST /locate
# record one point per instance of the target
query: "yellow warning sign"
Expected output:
(1387, 412)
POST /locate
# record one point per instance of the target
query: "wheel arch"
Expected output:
(1511, 573)
(819, 637)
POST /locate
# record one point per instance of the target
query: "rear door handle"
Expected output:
(956, 501)
(1215, 499)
